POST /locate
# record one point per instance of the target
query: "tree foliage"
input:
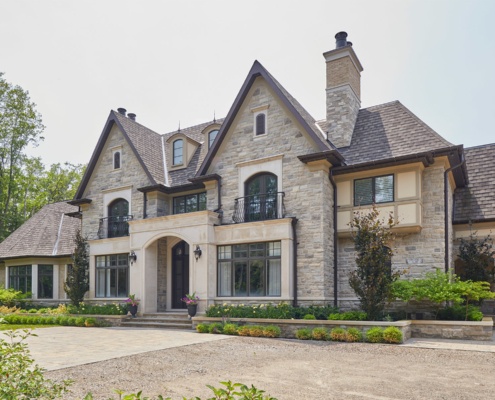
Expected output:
(476, 255)
(373, 275)
(25, 185)
(77, 283)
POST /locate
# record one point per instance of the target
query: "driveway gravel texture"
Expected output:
(291, 369)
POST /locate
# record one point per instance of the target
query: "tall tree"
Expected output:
(20, 126)
(77, 283)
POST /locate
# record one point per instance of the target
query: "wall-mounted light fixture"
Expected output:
(197, 252)
(132, 257)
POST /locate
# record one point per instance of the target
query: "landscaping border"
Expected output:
(462, 330)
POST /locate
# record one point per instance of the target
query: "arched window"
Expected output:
(261, 197)
(260, 124)
(178, 152)
(211, 137)
(118, 217)
(116, 160)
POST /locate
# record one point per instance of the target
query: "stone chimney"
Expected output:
(343, 90)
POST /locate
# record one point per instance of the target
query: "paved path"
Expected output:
(62, 347)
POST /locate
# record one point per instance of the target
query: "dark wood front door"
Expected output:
(180, 274)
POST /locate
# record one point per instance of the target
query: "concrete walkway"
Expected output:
(63, 347)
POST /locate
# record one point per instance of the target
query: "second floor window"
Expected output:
(211, 137)
(178, 152)
(118, 217)
(379, 189)
(116, 160)
(190, 203)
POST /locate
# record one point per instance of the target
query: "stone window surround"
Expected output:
(263, 109)
(110, 195)
(116, 150)
(247, 169)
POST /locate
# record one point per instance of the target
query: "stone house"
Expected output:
(255, 207)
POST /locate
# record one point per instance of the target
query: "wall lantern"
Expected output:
(132, 257)
(197, 252)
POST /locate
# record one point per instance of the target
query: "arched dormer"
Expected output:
(210, 133)
(180, 149)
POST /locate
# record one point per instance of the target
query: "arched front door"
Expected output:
(180, 274)
(261, 197)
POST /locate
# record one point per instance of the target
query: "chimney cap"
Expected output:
(132, 116)
(121, 110)
(341, 40)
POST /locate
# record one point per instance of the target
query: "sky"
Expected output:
(182, 62)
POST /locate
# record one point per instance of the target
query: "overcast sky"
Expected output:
(183, 61)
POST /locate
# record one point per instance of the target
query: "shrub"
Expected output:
(303, 334)
(392, 334)
(309, 316)
(338, 334)
(353, 335)
(90, 322)
(271, 331)
(348, 316)
(10, 297)
(80, 321)
(203, 328)
(458, 313)
(375, 335)
(230, 329)
(319, 334)
(215, 327)
(243, 330)
(8, 310)
(256, 331)
(64, 321)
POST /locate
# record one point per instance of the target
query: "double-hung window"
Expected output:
(252, 269)
(375, 190)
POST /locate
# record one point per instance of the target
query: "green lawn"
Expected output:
(5, 327)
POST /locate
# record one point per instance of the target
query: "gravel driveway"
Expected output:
(290, 369)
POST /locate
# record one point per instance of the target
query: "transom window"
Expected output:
(252, 269)
(112, 275)
(190, 203)
(178, 152)
(20, 278)
(379, 189)
(211, 137)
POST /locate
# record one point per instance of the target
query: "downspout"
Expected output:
(294, 257)
(219, 198)
(145, 201)
(335, 240)
(446, 209)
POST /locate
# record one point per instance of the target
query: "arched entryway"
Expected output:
(180, 273)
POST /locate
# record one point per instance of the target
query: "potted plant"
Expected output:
(132, 303)
(191, 301)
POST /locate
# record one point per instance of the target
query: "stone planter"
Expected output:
(133, 310)
(192, 309)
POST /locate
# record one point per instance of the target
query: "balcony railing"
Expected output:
(111, 227)
(259, 207)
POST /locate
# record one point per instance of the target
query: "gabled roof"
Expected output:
(476, 202)
(387, 131)
(299, 113)
(48, 233)
(145, 144)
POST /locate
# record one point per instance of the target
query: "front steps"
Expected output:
(163, 320)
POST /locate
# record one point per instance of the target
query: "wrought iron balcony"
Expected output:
(259, 207)
(111, 227)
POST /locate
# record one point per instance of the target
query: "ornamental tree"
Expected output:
(476, 255)
(77, 283)
(373, 275)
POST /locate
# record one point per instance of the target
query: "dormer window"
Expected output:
(117, 159)
(178, 152)
(211, 137)
(260, 124)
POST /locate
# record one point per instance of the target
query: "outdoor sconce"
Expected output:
(132, 257)
(197, 252)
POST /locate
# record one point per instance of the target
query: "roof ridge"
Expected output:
(479, 146)
(383, 105)
(215, 121)
(119, 115)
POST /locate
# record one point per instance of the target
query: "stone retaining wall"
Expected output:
(462, 330)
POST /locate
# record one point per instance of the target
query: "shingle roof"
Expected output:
(390, 130)
(476, 202)
(48, 233)
(148, 145)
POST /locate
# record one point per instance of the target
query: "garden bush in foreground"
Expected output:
(374, 335)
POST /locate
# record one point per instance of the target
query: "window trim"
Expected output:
(248, 259)
(16, 277)
(373, 190)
